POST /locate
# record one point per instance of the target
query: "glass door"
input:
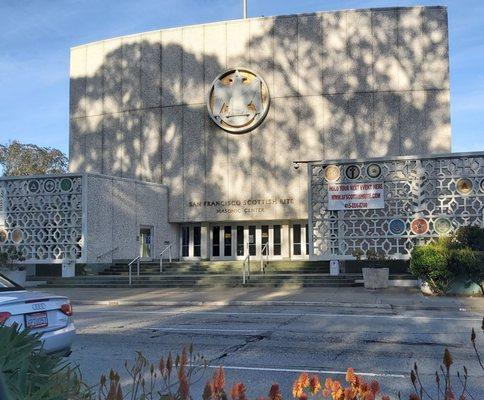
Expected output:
(227, 241)
(146, 240)
(240, 241)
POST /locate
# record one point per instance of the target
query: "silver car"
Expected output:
(44, 313)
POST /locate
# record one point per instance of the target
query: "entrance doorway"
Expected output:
(235, 242)
(191, 241)
(146, 242)
(275, 240)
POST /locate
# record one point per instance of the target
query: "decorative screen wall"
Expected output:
(423, 199)
(42, 216)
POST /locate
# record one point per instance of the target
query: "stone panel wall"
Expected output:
(424, 198)
(89, 218)
(358, 83)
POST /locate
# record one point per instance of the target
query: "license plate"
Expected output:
(36, 320)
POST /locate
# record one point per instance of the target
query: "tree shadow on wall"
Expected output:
(371, 89)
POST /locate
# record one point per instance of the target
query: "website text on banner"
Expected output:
(350, 196)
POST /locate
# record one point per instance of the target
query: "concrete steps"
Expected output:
(205, 274)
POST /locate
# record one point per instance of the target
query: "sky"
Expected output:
(36, 35)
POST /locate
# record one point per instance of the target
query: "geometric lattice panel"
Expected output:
(424, 198)
(42, 216)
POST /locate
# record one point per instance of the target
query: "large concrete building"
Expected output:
(215, 114)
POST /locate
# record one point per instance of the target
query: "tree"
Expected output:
(29, 159)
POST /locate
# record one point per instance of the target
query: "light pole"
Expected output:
(245, 9)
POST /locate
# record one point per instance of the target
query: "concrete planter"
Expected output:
(19, 277)
(375, 278)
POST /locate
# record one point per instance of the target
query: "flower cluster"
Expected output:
(306, 386)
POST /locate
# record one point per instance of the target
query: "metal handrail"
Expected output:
(246, 270)
(107, 252)
(265, 249)
(161, 256)
(137, 259)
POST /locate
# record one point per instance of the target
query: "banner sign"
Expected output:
(355, 196)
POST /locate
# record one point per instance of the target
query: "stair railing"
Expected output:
(167, 248)
(137, 261)
(264, 251)
(107, 252)
(246, 270)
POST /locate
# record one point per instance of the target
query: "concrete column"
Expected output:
(190, 241)
(233, 230)
(205, 242)
(258, 241)
(270, 249)
(286, 242)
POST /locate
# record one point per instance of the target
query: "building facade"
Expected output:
(215, 115)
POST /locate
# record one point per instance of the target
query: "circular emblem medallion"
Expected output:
(3, 235)
(65, 184)
(331, 173)
(397, 226)
(420, 226)
(442, 226)
(373, 170)
(49, 185)
(482, 185)
(17, 235)
(352, 171)
(238, 100)
(33, 186)
(464, 186)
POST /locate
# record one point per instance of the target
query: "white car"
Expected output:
(44, 313)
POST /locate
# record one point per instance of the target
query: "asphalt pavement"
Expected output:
(260, 343)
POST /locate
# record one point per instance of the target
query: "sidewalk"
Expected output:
(406, 298)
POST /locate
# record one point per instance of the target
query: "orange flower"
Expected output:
(238, 391)
(297, 389)
(375, 387)
(275, 392)
(218, 380)
(350, 375)
(300, 384)
(207, 391)
(314, 384)
(304, 379)
(184, 388)
(327, 387)
(303, 396)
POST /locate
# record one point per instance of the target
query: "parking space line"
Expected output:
(310, 371)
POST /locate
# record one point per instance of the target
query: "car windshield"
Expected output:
(6, 285)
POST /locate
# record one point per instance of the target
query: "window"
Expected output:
(197, 241)
(296, 240)
(227, 241)
(252, 245)
(277, 240)
(240, 240)
(265, 238)
(216, 241)
(185, 240)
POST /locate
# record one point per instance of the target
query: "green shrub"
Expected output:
(430, 263)
(28, 373)
(466, 262)
(470, 236)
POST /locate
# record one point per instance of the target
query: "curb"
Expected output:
(230, 303)
(378, 306)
